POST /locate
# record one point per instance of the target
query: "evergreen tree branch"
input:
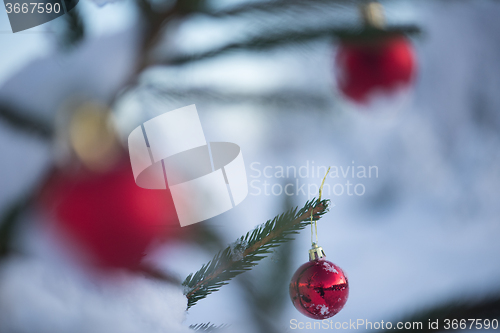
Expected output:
(268, 41)
(248, 250)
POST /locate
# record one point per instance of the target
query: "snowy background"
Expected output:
(425, 231)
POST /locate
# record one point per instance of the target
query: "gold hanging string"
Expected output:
(315, 232)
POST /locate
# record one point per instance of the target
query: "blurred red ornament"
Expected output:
(381, 65)
(319, 289)
(111, 218)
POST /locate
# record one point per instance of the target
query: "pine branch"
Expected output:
(247, 251)
(268, 41)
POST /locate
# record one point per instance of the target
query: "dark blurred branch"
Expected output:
(204, 236)
(269, 41)
(10, 219)
(284, 98)
(75, 29)
(488, 308)
(158, 274)
(153, 23)
(153, 29)
(8, 223)
(23, 120)
(275, 6)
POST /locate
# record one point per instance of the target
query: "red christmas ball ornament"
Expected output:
(382, 65)
(108, 216)
(319, 289)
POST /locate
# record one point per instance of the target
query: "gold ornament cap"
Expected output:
(316, 252)
(93, 137)
(373, 14)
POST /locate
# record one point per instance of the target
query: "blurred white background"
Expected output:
(426, 230)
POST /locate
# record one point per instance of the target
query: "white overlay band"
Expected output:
(205, 179)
